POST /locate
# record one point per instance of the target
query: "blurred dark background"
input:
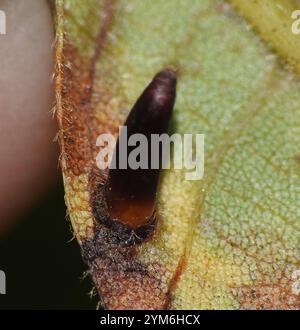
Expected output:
(43, 267)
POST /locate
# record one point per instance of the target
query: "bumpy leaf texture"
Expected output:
(232, 239)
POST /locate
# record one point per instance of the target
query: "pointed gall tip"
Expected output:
(166, 77)
(168, 74)
(163, 88)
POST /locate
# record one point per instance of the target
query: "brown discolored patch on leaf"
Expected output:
(123, 282)
(74, 84)
(267, 296)
(73, 117)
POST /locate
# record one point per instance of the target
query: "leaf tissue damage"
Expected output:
(230, 240)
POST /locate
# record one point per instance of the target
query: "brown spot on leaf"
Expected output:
(122, 280)
(267, 296)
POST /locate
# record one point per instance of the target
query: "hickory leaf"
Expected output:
(232, 239)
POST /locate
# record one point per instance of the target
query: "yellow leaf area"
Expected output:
(273, 20)
(232, 239)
